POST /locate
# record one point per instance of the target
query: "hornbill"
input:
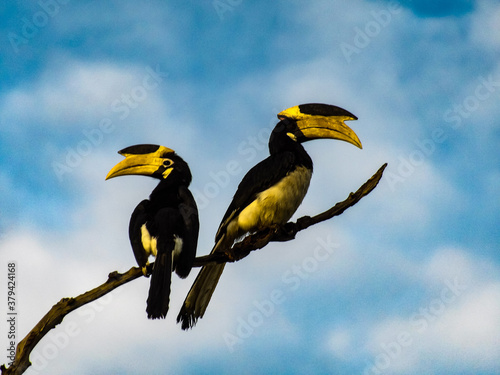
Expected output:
(165, 225)
(271, 191)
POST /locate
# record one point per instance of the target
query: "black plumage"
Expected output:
(165, 225)
(271, 191)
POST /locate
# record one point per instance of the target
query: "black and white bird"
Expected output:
(271, 191)
(165, 225)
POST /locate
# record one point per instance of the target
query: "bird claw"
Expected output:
(284, 232)
(230, 254)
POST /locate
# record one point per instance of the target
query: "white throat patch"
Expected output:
(148, 241)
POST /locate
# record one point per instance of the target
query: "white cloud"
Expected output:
(375, 86)
(474, 328)
(73, 95)
(484, 24)
(449, 262)
(341, 343)
(455, 327)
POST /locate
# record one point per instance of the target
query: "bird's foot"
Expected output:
(230, 254)
(284, 232)
(145, 271)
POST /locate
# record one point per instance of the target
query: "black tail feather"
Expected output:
(159, 289)
(201, 291)
(199, 296)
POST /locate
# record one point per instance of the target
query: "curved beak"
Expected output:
(145, 160)
(315, 124)
(144, 165)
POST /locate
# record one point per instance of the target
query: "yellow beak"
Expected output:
(145, 164)
(322, 125)
(136, 165)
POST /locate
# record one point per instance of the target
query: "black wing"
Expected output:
(137, 220)
(167, 224)
(261, 177)
(189, 214)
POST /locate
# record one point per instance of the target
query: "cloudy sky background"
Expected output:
(405, 282)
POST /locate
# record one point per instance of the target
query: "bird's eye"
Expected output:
(167, 163)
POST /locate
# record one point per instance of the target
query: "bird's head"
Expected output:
(151, 160)
(306, 122)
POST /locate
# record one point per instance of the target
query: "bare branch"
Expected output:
(288, 231)
(57, 313)
(239, 251)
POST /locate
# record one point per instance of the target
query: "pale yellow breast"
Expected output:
(148, 241)
(275, 205)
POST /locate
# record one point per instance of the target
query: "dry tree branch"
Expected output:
(239, 251)
(288, 231)
(57, 313)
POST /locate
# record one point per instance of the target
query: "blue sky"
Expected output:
(405, 282)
